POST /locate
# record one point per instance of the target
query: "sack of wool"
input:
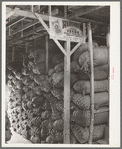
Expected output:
(10, 83)
(82, 117)
(58, 125)
(18, 93)
(37, 90)
(24, 105)
(32, 75)
(57, 77)
(47, 95)
(37, 101)
(30, 65)
(82, 133)
(18, 75)
(36, 121)
(35, 139)
(24, 97)
(35, 130)
(45, 115)
(83, 48)
(46, 86)
(24, 123)
(46, 105)
(24, 115)
(25, 71)
(73, 140)
(58, 136)
(60, 106)
(26, 89)
(49, 139)
(58, 58)
(53, 102)
(30, 94)
(29, 104)
(32, 84)
(45, 124)
(37, 111)
(73, 79)
(39, 68)
(60, 84)
(40, 57)
(39, 78)
(100, 57)
(55, 116)
(100, 73)
(7, 123)
(25, 134)
(8, 135)
(51, 72)
(58, 93)
(106, 133)
(30, 114)
(26, 80)
(83, 102)
(44, 133)
(84, 86)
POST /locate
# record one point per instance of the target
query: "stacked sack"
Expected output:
(36, 102)
(81, 99)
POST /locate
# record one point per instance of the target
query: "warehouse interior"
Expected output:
(44, 104)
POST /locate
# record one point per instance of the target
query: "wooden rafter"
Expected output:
(81, 12)
(31, 15)
(11, 13)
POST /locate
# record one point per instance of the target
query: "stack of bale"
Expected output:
(81, 99)
(36, 101)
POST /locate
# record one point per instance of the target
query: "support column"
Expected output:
(67, 94)
(47, 55)
(13, 53)
(92, 83)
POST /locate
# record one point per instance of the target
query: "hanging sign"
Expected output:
(63, 29)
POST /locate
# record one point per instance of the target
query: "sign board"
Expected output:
(63, 29)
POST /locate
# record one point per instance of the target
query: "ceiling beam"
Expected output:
(31, 15)
(8, 15)
(89, 20)
(81, 12)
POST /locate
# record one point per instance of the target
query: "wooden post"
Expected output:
(92, 82)
(47, 55)
(26, 49)
(84, 32)
(13, 53)
(67, 94)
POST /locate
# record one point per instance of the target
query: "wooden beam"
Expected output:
(67, 94)
(88, 20)
(75, 48)
(59, 45)
(92, 83)
(47, 54)
(42, 22)
(31, 15)
(81, 12)
(15, 22)
(11, 13)
(13, 50)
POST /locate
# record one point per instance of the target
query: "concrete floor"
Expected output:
(17, 138)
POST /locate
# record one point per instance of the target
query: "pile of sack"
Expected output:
(36, 100)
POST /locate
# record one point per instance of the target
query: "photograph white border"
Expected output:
(114, 63)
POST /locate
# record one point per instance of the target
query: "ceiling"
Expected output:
(23, 27)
